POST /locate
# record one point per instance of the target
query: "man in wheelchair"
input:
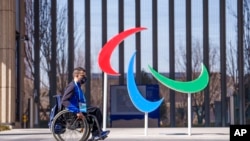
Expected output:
(74, 100)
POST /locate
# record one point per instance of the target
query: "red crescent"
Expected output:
(108, 48)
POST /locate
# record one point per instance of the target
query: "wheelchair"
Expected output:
(65, 126)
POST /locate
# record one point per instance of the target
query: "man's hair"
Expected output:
(77, 71)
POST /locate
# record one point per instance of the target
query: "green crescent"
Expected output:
(193, 86)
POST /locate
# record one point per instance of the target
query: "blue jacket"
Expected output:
(72, 95)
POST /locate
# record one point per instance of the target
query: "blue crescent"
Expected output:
(137, 99)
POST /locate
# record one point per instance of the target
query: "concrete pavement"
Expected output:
(125, 134)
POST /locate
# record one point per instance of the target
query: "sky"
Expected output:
(146, 35)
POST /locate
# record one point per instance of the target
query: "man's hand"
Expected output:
(80, 115)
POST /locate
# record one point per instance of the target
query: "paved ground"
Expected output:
(125, 134)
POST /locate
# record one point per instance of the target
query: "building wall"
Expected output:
(7, 62)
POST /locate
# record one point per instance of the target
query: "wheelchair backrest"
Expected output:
(55, 109)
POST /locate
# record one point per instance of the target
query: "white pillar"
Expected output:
(105, 101)
(146, 124)
(189, 115)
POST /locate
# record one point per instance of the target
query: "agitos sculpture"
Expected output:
(137, 99)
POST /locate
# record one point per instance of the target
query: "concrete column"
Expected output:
(21, 66)
(7, 62)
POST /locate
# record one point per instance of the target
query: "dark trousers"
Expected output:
(98, 114)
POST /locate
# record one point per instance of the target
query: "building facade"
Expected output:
(11, 61)
(7, 61)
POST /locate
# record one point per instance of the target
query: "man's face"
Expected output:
(82, 78)
(81, 75)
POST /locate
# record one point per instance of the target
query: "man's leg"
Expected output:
(97, 113)
(95, 132)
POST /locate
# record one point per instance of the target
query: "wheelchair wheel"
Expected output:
(66, 127)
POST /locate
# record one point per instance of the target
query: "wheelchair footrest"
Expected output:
(102, 138)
